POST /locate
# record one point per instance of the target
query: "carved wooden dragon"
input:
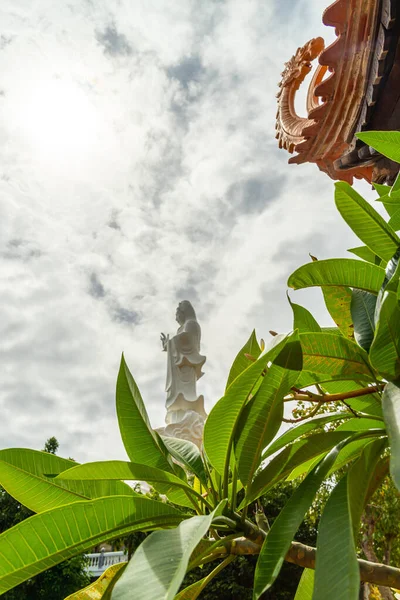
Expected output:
(343, 91)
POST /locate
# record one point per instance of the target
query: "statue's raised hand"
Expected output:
(164, 341)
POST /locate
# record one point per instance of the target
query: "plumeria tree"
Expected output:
(207, 500)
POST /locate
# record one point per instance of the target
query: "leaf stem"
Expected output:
(213, 490)
(192, 500)
(234, 487)
(217, 570)
(226, 469)
(212, 551)
(244, 514)
(198, 497)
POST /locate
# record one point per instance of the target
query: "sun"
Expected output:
(59, 122)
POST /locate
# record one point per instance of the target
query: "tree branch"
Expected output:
(304, 556)
(370, 572)
(335, 397)
(308, 415)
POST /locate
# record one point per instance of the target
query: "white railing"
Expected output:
(100, 561)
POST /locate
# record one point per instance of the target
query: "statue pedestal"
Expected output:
(189, 428)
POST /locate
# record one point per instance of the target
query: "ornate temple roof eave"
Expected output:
(360, 61)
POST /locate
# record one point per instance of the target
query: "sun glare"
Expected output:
(59, 122)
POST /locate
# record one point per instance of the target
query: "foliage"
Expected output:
(51, 445)
(62, 579)
(212, 494)
(236, 581)
(380, 530)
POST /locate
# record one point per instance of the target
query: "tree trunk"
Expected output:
(364, 591)
(388, 549)
(368, 549)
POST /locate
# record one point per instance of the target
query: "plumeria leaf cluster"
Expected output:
(207, 498)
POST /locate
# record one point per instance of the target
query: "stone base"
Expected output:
(189, 428)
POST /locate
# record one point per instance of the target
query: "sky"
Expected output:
(138, 168)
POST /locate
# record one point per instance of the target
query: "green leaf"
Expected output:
(306, 586)
(337, 301)
(192, 592)
(362, 311)
(34, 492)
(140, 441)
(396, 186)
(298, 431)
(370, 404)
(381, 471)
(284, 528)
(384, 353)
(188, 454)
(338, 272)
(353, 450)
(331, 330)
(261, 418)
(334, 355)
(390, 282)
(361, 423)
(158, 566)
(289, 458)
(241, 361)
(303, 319)
(366, 254)
(385, 142)
(49, 538)
(365, 221)
(360, 476)
(394, 220)
(118, 469)
(391, 413)
(381, 189)
(35, 461)
(340, 387)
(44, 464)
(308, 378)
(220, 426)
(350, 451)
(370, 427)
(101, 588)
(337, 573)
(391, 203)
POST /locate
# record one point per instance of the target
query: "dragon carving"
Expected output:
(342, 93)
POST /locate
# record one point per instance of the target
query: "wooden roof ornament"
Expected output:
(355, 87)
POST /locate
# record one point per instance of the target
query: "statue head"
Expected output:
(184, 312)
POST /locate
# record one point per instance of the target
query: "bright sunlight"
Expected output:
(59, 122)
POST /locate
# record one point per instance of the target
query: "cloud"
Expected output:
(124, 315)
(19, 249)
(252, 195)
(96, 287)
(187, 71)
(113, 42)
(5, 41)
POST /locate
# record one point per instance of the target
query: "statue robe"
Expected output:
(183, 370)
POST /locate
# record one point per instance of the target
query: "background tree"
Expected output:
(51, 445)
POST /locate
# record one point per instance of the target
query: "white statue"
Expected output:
(185, 410)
